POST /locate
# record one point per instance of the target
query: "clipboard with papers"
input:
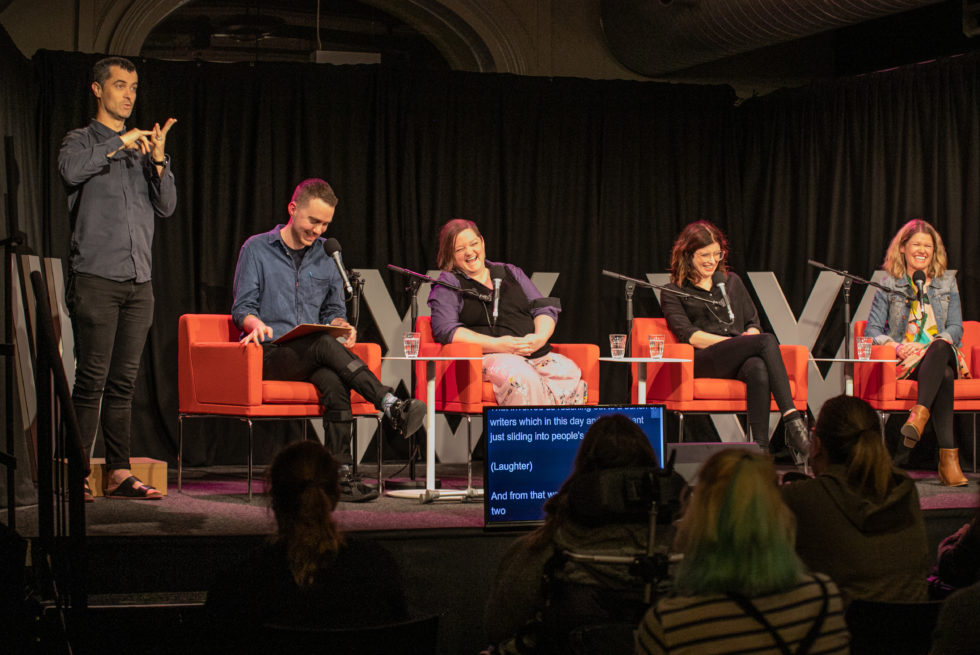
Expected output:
(305, 329)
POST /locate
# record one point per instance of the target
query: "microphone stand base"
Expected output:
(407, 483)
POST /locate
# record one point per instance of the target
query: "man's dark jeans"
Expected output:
(334, 371)
(110, 320)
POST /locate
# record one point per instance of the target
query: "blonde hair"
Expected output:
(849, 433)
(895, 260)
(736, 534)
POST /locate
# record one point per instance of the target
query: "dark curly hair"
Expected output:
(692, 238)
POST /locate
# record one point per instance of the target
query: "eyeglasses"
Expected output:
(712, 256)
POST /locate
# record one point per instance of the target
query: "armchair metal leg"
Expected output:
(249, 421)
(180, 449)
(470, 491)
(354, 449)
(379, 438)
(469, 452)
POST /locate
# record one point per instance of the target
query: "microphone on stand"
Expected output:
(919, 279)
(718, 279)
(332, 248)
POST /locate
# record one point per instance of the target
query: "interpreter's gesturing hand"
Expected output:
(158, 137)
(352, 336)
(135, 139)
(259, 333)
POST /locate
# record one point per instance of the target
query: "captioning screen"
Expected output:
(530, 452)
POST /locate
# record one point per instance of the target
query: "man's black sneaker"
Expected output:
(406, 416)
(357, 492)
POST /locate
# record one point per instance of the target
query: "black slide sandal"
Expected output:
(133, 489)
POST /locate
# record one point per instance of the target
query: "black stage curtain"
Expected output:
(563, 175)
(830, 172)
(18, 213)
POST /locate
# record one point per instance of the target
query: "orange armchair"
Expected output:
(674, 384)
(218, 377)
(878, 383)
(460, 388)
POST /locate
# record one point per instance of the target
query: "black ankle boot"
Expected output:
(797, 439)
(901, 456)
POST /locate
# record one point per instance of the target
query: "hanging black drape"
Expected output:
(562, 175)
(18, 213)
(831, 172)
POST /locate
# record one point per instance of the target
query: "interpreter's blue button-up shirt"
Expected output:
(268, 285)
(113, 203)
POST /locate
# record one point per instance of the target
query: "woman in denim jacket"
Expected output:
(925, 325)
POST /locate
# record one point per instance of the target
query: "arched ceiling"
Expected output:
(418, 33)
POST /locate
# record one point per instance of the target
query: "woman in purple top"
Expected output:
(513, 327)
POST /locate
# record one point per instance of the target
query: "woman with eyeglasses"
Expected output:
(726, 332)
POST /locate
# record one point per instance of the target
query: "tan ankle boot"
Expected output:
(950, 473)
(915, 425)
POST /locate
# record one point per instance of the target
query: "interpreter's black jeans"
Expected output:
(334, 370)
(935, 374)
(755, 360)
(110, 321)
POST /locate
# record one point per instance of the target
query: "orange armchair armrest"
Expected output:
(877, 380)
(672, 382)
(226, 373)
(586, 356)
(796, 360)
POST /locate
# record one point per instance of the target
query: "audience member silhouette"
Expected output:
(859, 520)
(957, 629)
(740, 587)
(309, 573)
(518, 611)
(958, 557)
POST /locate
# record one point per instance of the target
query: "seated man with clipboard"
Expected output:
(289, 298)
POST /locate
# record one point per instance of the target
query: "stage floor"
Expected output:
(214, 503)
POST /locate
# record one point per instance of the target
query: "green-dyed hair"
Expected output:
(736, 534)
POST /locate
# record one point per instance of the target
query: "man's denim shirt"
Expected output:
(268, 285)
